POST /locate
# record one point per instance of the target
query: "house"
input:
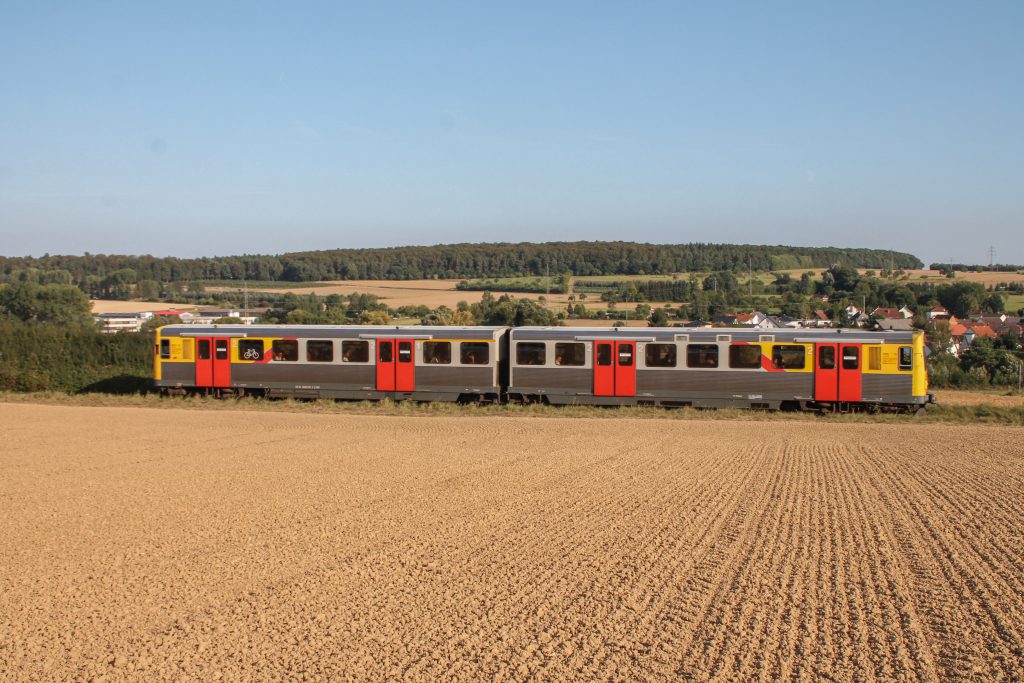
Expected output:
(937, 313)
(963, 334)
(820, 319)
(856, 316)
(693, 323)
(900, 324)
(893, 313)
(755, 319)
(785, 321)
(170, 312)
(248, 316)
(122, 322)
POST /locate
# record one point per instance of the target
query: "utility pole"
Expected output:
(245, 300)
(991, 256)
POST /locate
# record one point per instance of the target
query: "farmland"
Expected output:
(264, 545)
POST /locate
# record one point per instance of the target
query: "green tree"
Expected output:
(59, 304)
(149, 289)
(659, 318)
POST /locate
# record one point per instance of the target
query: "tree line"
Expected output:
(112, 276)
(975, 268)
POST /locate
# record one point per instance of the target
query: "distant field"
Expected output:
(255, 285)
(431, 293)
(434, 293)
(965, 276)
(111, 306)
(394, 293)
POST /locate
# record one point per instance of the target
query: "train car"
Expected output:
(822, 370)
(325, 361)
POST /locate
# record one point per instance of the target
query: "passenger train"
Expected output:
(836, 370)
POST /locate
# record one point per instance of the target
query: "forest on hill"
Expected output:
(445, 261)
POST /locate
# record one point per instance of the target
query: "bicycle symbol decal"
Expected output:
(251, 354)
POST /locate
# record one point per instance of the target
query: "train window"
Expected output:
(355, 351)
(827, 358)
(385, 351)
(906, 358)
(165, 348)
(744, 356)
(204, 349)
(570, 353)
(437, 352)
(250, 349)
(320, 351)
(789, 357)
(874, 358)
(701, 356)
(660, 355)
(604, 354)
(284, 349)
(625, 355)
(851, 358)
(531, 353)
(220, 349)
(404, 352)
(474, 353)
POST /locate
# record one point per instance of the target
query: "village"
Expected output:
(962, 332)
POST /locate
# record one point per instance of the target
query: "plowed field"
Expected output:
(163, 544)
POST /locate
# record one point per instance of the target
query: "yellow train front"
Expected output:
(822, 370)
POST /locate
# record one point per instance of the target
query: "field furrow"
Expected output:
(167, 545)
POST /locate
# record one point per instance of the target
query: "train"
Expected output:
(827, 370)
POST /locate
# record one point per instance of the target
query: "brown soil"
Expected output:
(265, 546)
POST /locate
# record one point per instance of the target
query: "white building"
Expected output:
(118, 322)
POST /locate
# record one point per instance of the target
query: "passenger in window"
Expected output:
(558, 358)
(278, 354)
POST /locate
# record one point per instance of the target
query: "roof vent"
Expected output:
(766, 338)
(724, 338)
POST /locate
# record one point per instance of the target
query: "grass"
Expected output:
(974, 414)
(1014, 302)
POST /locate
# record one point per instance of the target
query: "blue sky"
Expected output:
(189, 129)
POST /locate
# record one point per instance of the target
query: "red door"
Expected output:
(405, 369)
(396, 365)
(213, 362)
(625, 368)
(849, 362)
(204, 362)
(385, 365)
(826, 373)
(604, 368)
(615, 368)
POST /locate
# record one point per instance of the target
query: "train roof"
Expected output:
(333, 331)
(561, 333)
(668, 334)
